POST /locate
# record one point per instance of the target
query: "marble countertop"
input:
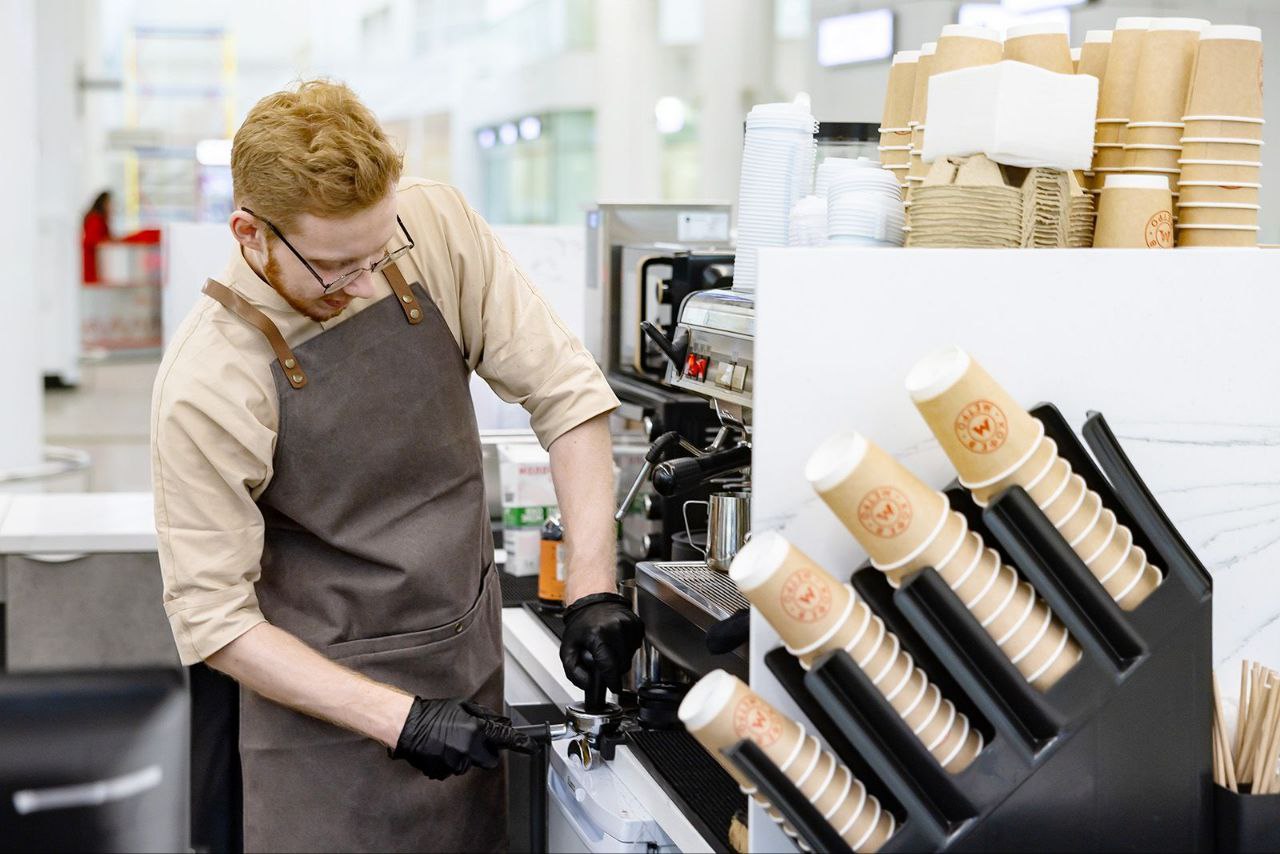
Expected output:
(74, 523)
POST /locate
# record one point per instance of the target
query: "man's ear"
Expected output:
(248, 231)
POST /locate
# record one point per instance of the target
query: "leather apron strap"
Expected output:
(408, 302)
(241, 308)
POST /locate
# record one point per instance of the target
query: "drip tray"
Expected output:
(708, 591)
(679, 603)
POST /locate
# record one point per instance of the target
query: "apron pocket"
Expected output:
(344, 650)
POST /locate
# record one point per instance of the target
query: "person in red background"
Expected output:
(97, 230)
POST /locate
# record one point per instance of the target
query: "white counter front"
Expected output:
(1178, 349)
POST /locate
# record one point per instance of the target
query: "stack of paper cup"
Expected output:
(720, 710)
(905, 526)
(919, 96)
(895, 134)
(1093, 54)
(1135, 211)
(809, 222)
(1044, 44)
(777, 171)
(958, 46)
(994, 444)
(814, 614)
(1115, 97)
(1222, 141)
(1152, 139)
(864, 207)
(1093, 61)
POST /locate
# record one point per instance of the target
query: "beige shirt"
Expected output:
(214, 409)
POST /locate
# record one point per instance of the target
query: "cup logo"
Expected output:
(805, 597)
(1159, 232)
(885, 512)
(755, 720)
(981, 427)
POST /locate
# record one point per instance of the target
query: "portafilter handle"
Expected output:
(677, 476)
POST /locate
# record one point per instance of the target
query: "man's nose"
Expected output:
(362, 286)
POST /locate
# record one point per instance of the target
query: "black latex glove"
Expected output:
(446, 737)
(601, 633)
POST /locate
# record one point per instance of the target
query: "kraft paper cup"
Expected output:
(1112, 553)
(1094, 538)
(983, 430)
(901, 89)
(1109, 157)
(802, 601)
(889, 511)
(720, 710)
(1093, 53)
(1228, 127)
(1108, 131)
(1214, 193)
(1083, 519)
(1152, 156)
(1167, 56)
(1170, 176)
(1051, 658)
(1235, 150)
(961, 46)
(920, 85)
(1217, 235)
(1026, 471)
(1075, 60)
(993, 600)
(1221, 171)
(895, 155)
(1116, 95)
(1228, 73)
(1135, 211)
(1154, 133)
(1217, 214)
(1041, 44)
(1142, 588)
(1067, 501)
(975, 580)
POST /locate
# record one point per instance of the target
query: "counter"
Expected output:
(80, 581)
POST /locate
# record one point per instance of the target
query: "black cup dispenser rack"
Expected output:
(1114, 757)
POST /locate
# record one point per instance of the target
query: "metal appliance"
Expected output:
(642, 261)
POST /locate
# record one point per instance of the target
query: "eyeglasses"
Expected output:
(346, 278)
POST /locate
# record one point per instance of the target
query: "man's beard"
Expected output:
(315, 309)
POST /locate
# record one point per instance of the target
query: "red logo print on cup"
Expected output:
(805, 598)
(885, 512)
(1160, 231)
(754, 720)
(981, 427)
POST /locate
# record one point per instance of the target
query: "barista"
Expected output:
(324, 535)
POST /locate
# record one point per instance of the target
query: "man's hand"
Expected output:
(601, 633)
(442, 738)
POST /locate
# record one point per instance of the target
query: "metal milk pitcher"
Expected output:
(728, 526)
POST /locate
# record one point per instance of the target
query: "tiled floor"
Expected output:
(106, 416)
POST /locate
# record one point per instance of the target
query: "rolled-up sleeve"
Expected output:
(211, 448)
(517, 343)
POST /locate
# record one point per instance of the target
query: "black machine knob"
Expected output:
(652, 507)
(675, 350)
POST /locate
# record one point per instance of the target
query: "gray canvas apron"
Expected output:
(378, 554)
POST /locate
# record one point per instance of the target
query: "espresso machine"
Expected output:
(643, 261)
